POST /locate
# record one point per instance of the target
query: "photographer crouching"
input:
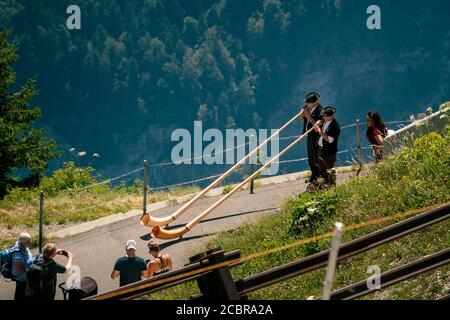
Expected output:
(42, 274)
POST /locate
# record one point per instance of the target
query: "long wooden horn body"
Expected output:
(161, 233)
(148, 220)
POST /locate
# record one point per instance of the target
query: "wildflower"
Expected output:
(311, 210)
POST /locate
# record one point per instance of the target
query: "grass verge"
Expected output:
(416, 177)
(66, 203)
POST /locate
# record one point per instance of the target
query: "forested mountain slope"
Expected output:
(139, 69)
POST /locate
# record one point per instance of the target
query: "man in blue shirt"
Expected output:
(130, 268)
(21, 259)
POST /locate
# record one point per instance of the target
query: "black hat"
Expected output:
(312, 97)
(329, 111)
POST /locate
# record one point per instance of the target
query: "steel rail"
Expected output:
(394, 276)
(352, 248)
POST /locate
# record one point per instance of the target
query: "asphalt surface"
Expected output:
(96, 251)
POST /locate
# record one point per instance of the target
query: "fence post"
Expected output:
(145, 186)
(252, 162)
(217, 284)
(358, 128)
(335, 242)
(252, 183)
(41, 218)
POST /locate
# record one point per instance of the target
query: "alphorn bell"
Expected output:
(148, 220)
(161, 233)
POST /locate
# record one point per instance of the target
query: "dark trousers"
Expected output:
(19, 294)
(326, 165)
(313, 157)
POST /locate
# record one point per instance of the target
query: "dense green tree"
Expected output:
(21, 145)
(156, 53)
(255, 27)
(190, 31)
(136, 65)
(276, 19)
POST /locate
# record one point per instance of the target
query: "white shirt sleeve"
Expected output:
(330, 139)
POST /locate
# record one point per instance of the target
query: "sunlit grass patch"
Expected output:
(415, 178)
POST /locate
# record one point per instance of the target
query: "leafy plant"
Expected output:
(67, 178)
(309, 210)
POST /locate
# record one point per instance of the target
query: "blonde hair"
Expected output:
(49, 249)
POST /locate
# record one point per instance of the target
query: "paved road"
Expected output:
(97, 250)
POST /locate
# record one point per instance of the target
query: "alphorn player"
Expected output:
(329, 133)
(311, 113)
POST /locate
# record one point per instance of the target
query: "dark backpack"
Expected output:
(38, 276)
(6, 262)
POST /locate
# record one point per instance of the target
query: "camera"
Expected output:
(65, 253)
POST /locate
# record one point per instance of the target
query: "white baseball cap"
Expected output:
(131, 244)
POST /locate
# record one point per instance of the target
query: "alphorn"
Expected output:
(148, 220)
(161, 233)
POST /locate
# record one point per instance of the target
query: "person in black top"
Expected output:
(376, 133)
(329, 133)
(312, 112)
(130, 268)
(46, 290)
(162, 262)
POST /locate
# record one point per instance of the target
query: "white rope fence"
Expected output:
(190, 182)
(107, 181)
(150, 189)
(164, 164)
(398, 122)
(196, 158)
(218, 175)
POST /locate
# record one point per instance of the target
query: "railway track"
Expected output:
(346, 250)
(395, 276)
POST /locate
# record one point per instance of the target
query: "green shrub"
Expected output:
(68, 177)
(309, 210)
(20, 195)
